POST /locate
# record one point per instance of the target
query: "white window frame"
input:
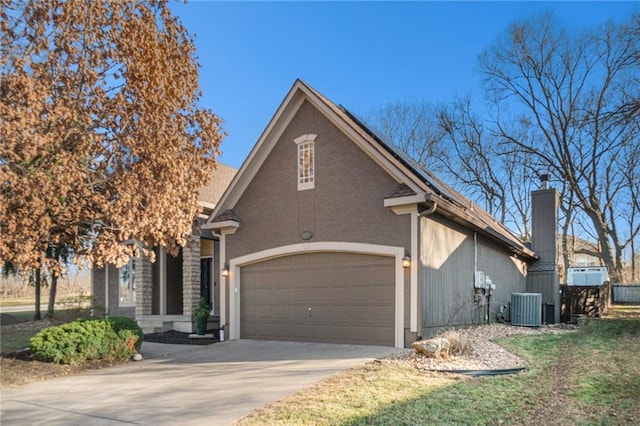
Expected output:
(305, 170)
(131, 283)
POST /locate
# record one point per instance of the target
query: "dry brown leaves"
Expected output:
(103, 140)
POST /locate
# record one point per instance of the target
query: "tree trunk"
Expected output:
(52, 294)
(37, 316)
(611, 260)
(632, 278)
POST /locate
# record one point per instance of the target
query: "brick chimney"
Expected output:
(542, 276)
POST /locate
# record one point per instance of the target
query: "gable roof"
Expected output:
(414, 182)
(210, 194)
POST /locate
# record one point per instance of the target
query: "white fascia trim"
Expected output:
(412, 211)
(402, 201)
(375, 249)
(207, 205)
(382, 158)
(261, 150)
(281, 119)
(225, 226)
(405, 209)
(309, 137)
(415, 262)
(223, 280)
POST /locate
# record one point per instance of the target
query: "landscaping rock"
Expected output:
(433, 348)
(137, 357)
(482, 353)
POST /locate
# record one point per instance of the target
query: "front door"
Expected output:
(205, 279)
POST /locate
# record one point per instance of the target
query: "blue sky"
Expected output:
(359, 54)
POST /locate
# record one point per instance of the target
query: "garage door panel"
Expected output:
(381, 315)
(369, 333)
(298, 295)
(351, 297)
(280, 296)
(320, 295)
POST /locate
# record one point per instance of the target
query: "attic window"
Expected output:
(306, 161)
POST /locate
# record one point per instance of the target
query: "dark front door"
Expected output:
(205, 279)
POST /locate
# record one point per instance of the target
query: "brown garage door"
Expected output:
(319, 297)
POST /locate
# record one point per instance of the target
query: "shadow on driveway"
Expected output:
(186, 385)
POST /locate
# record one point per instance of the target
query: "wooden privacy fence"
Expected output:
(626, 293)
(592, 301)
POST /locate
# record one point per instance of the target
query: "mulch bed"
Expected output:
(178, 338)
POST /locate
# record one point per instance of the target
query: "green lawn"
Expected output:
(588, 377)
(17, 338)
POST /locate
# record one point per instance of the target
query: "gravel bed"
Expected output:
(482, 353)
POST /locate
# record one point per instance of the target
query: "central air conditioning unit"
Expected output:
(526, 309)
(594, 276)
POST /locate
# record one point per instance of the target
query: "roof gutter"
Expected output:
(431, 209)
(484, 228)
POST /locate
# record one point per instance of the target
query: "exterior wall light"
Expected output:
(406, 261)
(225, 271)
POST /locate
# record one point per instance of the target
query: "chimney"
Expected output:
(544, 181)
(542, 275)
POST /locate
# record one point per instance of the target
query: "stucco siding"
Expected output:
(346, 205)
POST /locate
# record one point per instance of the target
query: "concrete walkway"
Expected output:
(185, 385)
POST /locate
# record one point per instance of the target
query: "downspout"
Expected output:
(430, 210)
(487, 291)
(475, 252)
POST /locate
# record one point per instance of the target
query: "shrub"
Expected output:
(201, 315)
(459, 346)
(111, 339)
(127, 329)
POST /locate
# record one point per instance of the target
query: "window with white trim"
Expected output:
(128, 283)
(306, 161)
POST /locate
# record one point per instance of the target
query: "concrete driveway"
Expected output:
(185, 385)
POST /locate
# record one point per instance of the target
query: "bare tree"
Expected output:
(411, 125)
(453, 141)
(103, 140)
(498, 178)
(581, 94)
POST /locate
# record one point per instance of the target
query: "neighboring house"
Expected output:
(329, 234)
(162, 295)
(577, 259)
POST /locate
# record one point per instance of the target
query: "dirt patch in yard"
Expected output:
(19, 368)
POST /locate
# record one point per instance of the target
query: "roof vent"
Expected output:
(526, 309)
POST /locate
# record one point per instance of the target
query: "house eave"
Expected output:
(400, 201)
(223, 226)
(463, 217)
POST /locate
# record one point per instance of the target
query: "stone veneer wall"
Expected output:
(144, 287)
(190, 275)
